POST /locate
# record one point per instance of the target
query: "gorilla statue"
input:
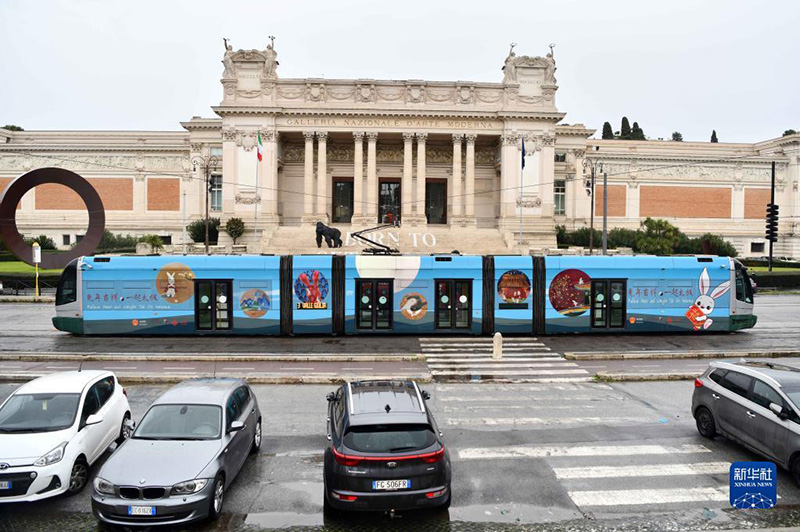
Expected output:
(332, 236)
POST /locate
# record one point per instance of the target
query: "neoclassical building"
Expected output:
(442, 160)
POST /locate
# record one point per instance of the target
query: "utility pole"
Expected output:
(206, 164)
(772, 217)
(592, 164)
(605, 212)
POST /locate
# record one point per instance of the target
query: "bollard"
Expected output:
(497, 345)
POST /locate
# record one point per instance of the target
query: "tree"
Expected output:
(622, 238)
(197, 230)
(45, 242)
(154, 241)
(712, 244)
(12, 127)
(625, 129)
(785, 133)
(658, 237)
(607, 131)
(112, 242)
(714, 135)
(235, 228)
(637, 133)
(677, 137)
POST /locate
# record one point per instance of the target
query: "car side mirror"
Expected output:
(426, 395)
(236, 426)
(94, 419)
(330, 397)
(779, 411)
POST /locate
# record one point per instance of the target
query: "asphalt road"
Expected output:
(571, 456)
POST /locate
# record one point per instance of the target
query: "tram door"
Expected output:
(374, 304)
(212, 305)
(453, 303)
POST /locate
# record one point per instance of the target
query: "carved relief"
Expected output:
(322, 136)
(197, 147)
(391, 94)
(341, 93)
(247, 200)
(529, 99)
(246, 140)
(488, 95)
(290, 93)
(485, 156)
(441, 96)
(529, 203)
(365, 93)
(358, 136)
(457, 138)
(466, 95)
(315, 92)
(372, 136)
(471, 138)
(229, 135)
(415, 94)
(255, 93)
(509, 139)
(421, 137)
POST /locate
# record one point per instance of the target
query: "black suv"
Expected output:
(386, 451)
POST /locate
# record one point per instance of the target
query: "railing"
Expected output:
(27, 288)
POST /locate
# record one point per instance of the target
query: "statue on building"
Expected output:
(550, 67)
(510, 66)
(271, 61)
(227, 61)
(332, 236)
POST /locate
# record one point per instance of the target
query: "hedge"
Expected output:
(776, 279)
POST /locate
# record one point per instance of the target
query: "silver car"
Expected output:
(183, 455)
(755, 404)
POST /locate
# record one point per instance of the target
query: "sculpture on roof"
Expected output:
(550, 69)
(227, 60)
(510, 66)
(271, 61)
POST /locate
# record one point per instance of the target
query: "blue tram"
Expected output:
(402, 294)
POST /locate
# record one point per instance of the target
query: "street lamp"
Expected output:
(594, 164)
(206, 164)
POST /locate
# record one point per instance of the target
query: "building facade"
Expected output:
(477, 167)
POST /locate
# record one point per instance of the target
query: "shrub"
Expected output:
(622, 238)
(112, 242)
(154, 241)
(658, 237)
(235, 228)
(716, 245)
(44, 241)
(197, 230)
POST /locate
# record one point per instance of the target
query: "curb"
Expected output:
(611, 376)
(676, 355)
(27, 299)
(264, 378)
(195, 357)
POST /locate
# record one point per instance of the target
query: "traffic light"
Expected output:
(772, 222)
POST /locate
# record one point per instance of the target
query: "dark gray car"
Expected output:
(183, 455)
(755, 404)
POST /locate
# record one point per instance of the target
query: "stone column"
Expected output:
(509, 177)
(372, 176)
(274, 146)
(407, 185)
(308, 178)
(322, 177)
(455, 182)
(737, 203)
(358, 174)
(268, 179)
(469, 192)
(421, 177)
(547, 174)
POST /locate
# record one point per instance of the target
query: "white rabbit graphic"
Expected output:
(171, 291)
(705, 302)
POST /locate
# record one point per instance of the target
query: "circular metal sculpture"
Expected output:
(8, 211)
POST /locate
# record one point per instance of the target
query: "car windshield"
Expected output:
(792, 391)
(39, 412)
(180, 422)
(389, 438)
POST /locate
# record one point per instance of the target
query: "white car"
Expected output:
(54, 428)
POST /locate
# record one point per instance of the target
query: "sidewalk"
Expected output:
(27, 299)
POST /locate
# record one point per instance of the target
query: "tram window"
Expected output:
(617, 301)
(744, 290)
(67, 291)
(599, 303)
(608, 303)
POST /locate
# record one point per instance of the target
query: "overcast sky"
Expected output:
(690, 66)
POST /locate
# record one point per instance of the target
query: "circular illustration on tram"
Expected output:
(175, 282)
(569, 292)
(514, 287)
(414, 306)
(311, 289)
(255, 303)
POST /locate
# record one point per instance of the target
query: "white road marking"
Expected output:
(499, 365)
(646, 365)
(487, 349)
(297, 367)
(593, 367)
(659, 470)
(646, 496)
(355, 369)
(483, 346)
(238, 369)
(118, 367)
(451, 339)
(442, 360)
(478, 398)
(522, 451)
(171, 368)
(550, 372)
(4, 366)
(494, 421)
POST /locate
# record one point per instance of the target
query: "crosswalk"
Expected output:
(470, 359)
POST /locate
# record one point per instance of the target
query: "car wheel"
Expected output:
(217, 497)
(78, 477)
(446, 504)
(706, 425)
(256, 439)
(125, 430)
(327, 509)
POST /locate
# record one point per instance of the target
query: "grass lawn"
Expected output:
(774, 269)
(19, 267)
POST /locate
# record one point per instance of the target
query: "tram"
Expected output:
(401, 294)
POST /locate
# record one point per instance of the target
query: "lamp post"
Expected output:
(593, 165)
(206, 164)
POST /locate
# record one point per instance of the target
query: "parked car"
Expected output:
(183, 455)
(386, 451)
(753, 403)
(53, 429)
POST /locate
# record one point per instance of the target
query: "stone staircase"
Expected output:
(408, 239)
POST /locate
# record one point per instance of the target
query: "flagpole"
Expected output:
(519, 206)
(256, 200)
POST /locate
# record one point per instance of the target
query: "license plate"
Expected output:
(141, 510)
(5, 485)
(391, 484)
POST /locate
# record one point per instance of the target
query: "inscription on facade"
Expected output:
(399, 123)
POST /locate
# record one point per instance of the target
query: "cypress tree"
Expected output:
(714, 135)
(637, 133)
(625, 130)
(608, 133)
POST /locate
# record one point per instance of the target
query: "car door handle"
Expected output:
(715, 396)
(750, 414)
(225, 451)
(328, 436)
(253, 411)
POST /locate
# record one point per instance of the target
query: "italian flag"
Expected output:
(260, 147)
